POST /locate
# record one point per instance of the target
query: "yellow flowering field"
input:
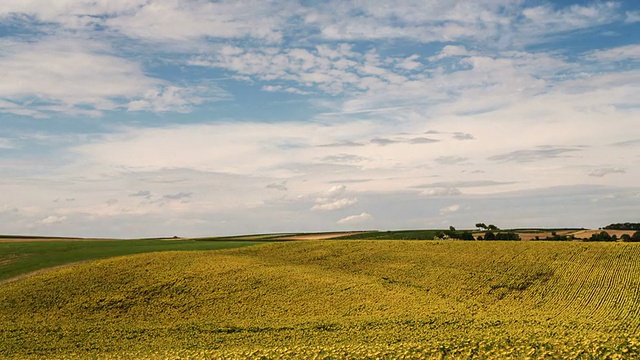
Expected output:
(335, 300)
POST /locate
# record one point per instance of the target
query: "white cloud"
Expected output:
(198, 19)
(450, 209)
(7, 144)
(282, 186)
(79, 76)
(440, 192)
(356, 219)
(330, 205)
(53, 219)
(156, 20)
(601, 172)
(333, 199)
(306, 68)
(177, 99)
(632, 16)
(449, 51)
(545, 19)
(65, 74)
(622, 53)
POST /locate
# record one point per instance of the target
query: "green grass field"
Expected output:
(334, 300)
(20, 257)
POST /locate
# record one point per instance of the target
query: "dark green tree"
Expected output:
(466, 235)
(510, 236)
(481, 225)
(601, 236)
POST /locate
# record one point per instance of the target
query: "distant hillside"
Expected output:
(341, 298)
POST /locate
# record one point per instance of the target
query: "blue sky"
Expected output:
(166, 117)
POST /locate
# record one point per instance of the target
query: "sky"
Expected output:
(142, 118)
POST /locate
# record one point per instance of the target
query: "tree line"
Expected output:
(623, 226)
(492, 232)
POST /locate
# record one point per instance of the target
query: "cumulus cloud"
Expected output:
(329, 205)
(53, 219)
(450, 209)
(449, 51)
(334, 199)
(441, 192)
(356, 219)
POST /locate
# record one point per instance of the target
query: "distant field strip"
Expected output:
(335, 299)
(24, 255)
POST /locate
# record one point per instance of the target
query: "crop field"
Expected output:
(19, 256)
(334, 299)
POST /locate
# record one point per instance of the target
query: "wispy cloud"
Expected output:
(622, 53)
(178, 196)
(451, 160)
(282, 186)
(541, 153)
(83, 77)
(601, 172)
(141, 193)
(356, 219)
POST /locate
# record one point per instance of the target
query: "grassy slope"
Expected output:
(18, 258)
(335, 297)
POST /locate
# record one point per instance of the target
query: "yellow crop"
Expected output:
(335, 300)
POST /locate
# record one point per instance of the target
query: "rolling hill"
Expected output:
(335, 299)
